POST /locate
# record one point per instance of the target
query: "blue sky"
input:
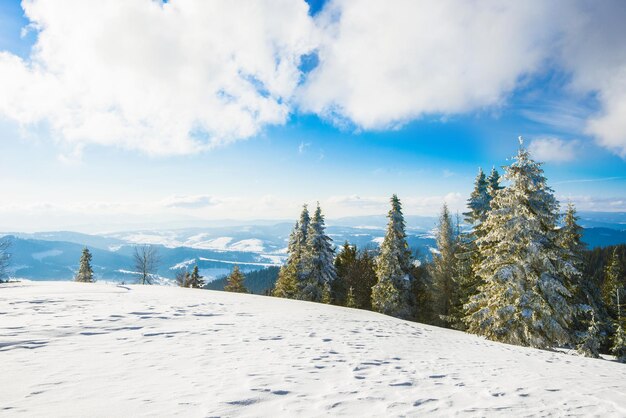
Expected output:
(336, 130)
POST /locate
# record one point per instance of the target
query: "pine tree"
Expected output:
(524, 299)
(292, 273)
(5, 256)
(591, 341)
(386, 298)
(326, 297)
(287, 284)
(478, 203)
(318, 260)
(443, 269)
(586, 295)
(350, 302)
(468, 257)
(493, 183)
(363, 278)
(393, 266)
(85, 272)
(235, 282)
(612, 284)
(619, 344)
(182, 278)
(347, 272)
(195, 280)
(301, 242)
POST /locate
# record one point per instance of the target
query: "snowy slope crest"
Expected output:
(74, 349)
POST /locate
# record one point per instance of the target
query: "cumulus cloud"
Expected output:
(368, 205)
(185, 75)
(593, 49)
(189, 202)
(553, 149)
(162, 78)
(382, 63)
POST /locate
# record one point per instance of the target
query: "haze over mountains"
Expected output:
(55, 255)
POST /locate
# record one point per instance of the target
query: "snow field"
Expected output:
(77, 349)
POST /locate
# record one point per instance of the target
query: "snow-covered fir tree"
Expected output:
(467, 253)
(443, 270)
(591, 340)
(287, 284)
(326, 296)
(85, 272)
(234, 281)
(393, 266)
(524, 299)
(586, 295)
(618, 349)
(350, 301)
(195, 280)
(613, 283)
(291, 275)
(493, 183)
(317, 260)
(614, 293)
(478, 203)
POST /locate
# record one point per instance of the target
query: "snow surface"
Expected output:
(78, 349)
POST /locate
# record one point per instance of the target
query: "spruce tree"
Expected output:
(5, 256)
(195, 280)
(468, 257)
(443, 269)
(318, 260)
(301, 242)
(618, 349)
(524, 299)
(347, 272)
(235, 282)
(293, 270)
(393, 266)
(478, 203)
(586, 295)
(493, 183)
(363, 278)
(85, 272)
(591, 340)
(287, 284)
(182, 278)
(326, 297)
(350, 301)
(612, 284)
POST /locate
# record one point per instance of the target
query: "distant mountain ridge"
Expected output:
(55, 255)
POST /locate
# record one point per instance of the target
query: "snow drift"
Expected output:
(76, 349)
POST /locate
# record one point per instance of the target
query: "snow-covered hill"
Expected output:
(72, 349)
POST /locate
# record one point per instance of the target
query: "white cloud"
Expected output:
(382, 63)
(372, 205)
(609, 127)
(186, 75)
(189, 202)
(162, 78)
(593, 49)
(594, 203)
(303, 146)
(553, 149)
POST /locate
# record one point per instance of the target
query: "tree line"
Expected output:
(516, 275)
(145, 264)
